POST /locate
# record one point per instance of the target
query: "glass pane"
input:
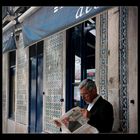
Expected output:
(91, 74)
(77, 69)
(90, 44)
(77, 80)
(12, 94)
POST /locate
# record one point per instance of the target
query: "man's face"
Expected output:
(87, 95)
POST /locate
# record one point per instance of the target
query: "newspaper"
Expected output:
(74, 122)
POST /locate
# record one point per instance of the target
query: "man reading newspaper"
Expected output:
(98, 113)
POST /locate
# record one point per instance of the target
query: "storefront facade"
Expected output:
(47, 65)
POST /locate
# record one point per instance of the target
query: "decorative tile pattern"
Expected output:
(103, 90)
(54, 80)
(123, 71)
(21, 98)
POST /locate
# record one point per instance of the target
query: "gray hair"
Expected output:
(88, 83)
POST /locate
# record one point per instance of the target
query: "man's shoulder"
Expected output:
(104, 101)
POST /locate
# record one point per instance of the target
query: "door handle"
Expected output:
(61, 100)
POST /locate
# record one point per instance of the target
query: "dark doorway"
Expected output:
(36, 88)
(12, 74)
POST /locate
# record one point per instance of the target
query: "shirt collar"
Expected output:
(95, 99)
(90, 105)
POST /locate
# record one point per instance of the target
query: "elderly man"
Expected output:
(99, 111)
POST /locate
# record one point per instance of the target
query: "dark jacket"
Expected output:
(102, 116)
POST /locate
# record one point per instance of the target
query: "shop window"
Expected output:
(80, 63)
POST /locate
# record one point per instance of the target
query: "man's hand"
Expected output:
(85, 113)
(58, 124)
